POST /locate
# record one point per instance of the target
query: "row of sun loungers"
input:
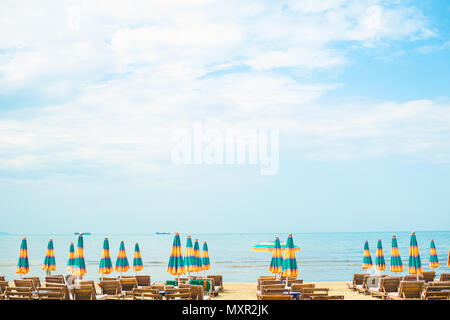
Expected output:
(423, 287)
(125, 287)
(271, 288)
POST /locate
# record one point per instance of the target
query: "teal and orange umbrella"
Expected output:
(434, 262)
(71, 260)
(137, 259)
(415, 266)
(396, 260)
(176, 262)
(79, 267)
(290, 268)
(380, 264)
(189, 256)
(448, 259)
(105, 266)
(122, 264)
(49, 260)
(367, 258)
(23, 267)
(205, 257)
(276, 263)
(198, 256)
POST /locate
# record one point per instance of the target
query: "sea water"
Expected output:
(323, 256)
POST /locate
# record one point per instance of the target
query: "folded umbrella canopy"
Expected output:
(137, 260)
(415, 266)
(49, 260)
(176, 262)
(71, 260)
(434, 262)
(290, 268)
(205, 257)
(23, 267)
(105, 266)
(79, 267)
(198, 256)
(379, 258)
(122, 264)
(396, 260)
(367, 258)
(189, 256)
(276, 263)
(448, 259)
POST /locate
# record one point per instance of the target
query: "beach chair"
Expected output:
(197, 292)
(36, 281)
(84, 293)
(18, 293)
(59, 278)
(218, 281)
(178, 294)
(373, 283)
(21, 283)
(429, 276)
(91, 284)
(276, 297)
(3, 286)
(387, 285)
(290, 282)
(63, 286)
(444, 277)
(408, 290)
(146, 293)
(298, 287)
(308, 293)
(112, 289)
(260, 278)
(2, 278)
(358, 279)
(108, 279)
(275, 291)
(411, 277)
(437, 290)
(327, 298)
(127, 285)
(143, 280)
(49, 293)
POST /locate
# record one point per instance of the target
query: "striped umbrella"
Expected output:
(79, 266)
(205, 257)
(448, 259)
(137, 260)
(415, 266)
(270, 246)
(71, 260)
(367, 259)
(189, 256)
(176, 262)
(23, 267)
(290, 268)
(276, 264)
(396, 261)
(198, 256)
(49, 261)
(380, 264)
(434, 262)
(105, 266)
(122, 260)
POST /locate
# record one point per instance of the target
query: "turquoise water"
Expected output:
(323, 256)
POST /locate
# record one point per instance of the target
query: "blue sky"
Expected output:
(90, 94)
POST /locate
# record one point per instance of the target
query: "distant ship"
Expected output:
(83, 233)
(163, 233)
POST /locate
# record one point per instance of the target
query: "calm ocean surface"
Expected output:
(323, 256)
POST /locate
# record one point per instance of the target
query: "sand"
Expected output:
(247, 291)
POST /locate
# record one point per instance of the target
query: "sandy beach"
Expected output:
(247, 291)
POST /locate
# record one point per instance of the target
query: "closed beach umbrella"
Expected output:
(71, 260)
(198, 256)
(289, 268)
(137, 260)
(176, 262)
(379, 258)
(434, 262)
(105, 266)
(23, 267)
(396, 260)
(367, 258)
(415, 266)
(276, 264)
(270, 246)
(205, 257)
(79, 267)
(448, 259)
(189, 256)
(122, 260)
(49, 261)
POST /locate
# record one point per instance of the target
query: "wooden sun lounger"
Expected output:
(18, 293)
(55, 279)
(218, 281)
(146, 294)
(276, 297)
(21, 283)
(63, 286)
(178, 294)
(408, 290)
(438, 290)
(111, 288)
(358, 279)
(308, 293)
(36, 281)
(387, 285)
(50, 293)
(429, 276)
(444, 277)
(128, 284)
(143, 280)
